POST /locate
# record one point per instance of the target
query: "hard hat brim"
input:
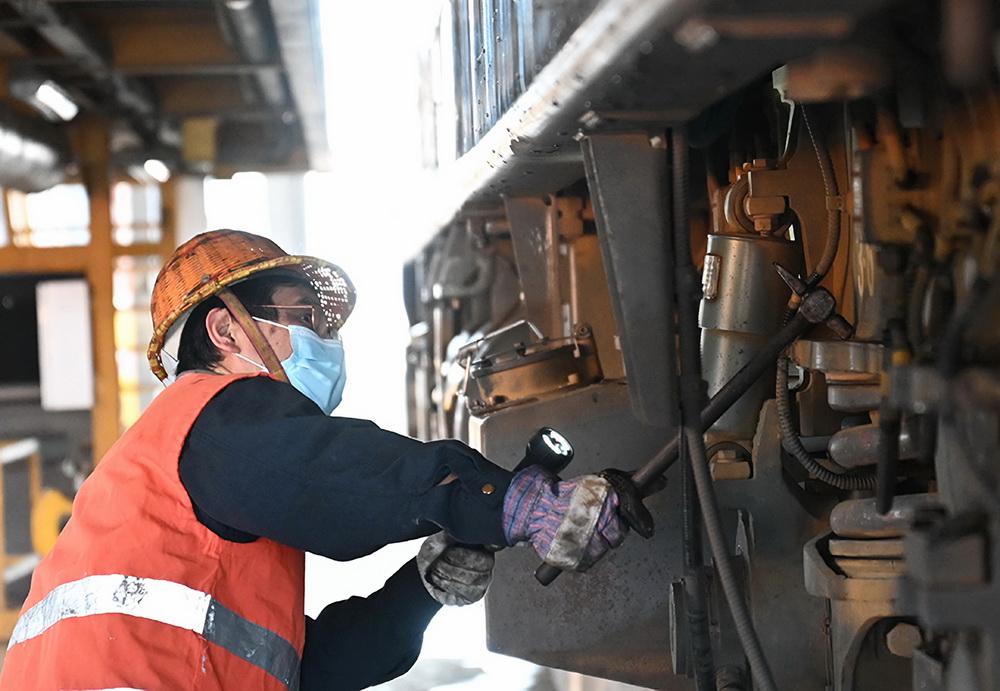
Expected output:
(332, 286)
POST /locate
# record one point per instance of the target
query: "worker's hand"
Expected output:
(570, 523)
(453, 573)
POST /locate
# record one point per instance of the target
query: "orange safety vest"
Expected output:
(138, 594)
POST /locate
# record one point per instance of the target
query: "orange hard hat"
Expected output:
(207, 263)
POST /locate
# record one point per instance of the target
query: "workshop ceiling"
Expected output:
(209, 86)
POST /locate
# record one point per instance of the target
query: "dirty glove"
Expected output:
(570, 523)
(453, 573)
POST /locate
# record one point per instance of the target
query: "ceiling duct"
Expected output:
(34, 156)
(248, 27)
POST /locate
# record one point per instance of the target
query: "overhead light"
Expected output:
(43, 94)
(157, 169)
(147, 165)
(54, 98)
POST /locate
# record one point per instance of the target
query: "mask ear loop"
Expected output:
(260, 343)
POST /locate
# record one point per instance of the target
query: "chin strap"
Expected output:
(250, 328)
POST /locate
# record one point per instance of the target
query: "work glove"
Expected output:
(453, 573)
(570, 523)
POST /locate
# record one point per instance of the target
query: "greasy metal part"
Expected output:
(460, 269)
(851, 370)
(531, 368)
(950, 586)
(737, 322)
(853, 397)
(858, 518)
(534, 232)
(862, 592)
(833, 74)
(837, 356)
(627, 176)
(878, 292)
(729, 463)
(590, 300)
(861, 445)
(890, 420)
(817, 307)
(903, 639)
(776, 524)
(630, 62)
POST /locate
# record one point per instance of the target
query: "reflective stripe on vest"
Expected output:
(168, 603)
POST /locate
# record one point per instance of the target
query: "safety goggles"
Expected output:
(309, 316)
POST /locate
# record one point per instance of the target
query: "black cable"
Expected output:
(691, 384)
(793, 444)
(790, 436)
(832, 191)
(695, 587)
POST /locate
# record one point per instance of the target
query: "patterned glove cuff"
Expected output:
(526, 490)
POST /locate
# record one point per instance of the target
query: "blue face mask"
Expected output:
(315, 367)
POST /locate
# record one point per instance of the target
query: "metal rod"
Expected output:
(724, 398)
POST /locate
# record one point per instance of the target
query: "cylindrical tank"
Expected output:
(743, 305)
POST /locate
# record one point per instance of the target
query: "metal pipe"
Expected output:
(247, 27)
(33, 154)
(860, 518)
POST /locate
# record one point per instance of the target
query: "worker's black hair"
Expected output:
(196, 350)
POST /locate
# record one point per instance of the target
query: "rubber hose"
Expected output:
(793, 444)
(724, 566)
(690, 367)
(695, 590)
(832, 191)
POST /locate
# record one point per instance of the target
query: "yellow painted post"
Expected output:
(168, 202)
(92, 146)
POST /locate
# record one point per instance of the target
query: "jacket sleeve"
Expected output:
(362, 642)
(264, 460)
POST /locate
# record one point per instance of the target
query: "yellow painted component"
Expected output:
(48, 516)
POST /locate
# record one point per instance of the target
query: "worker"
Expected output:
(182, 566)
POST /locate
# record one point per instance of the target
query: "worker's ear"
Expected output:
(222, 330)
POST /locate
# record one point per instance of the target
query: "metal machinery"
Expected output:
(594, 157)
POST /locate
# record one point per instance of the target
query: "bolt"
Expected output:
(590, 119)
(730, 464)
(903, 638)
(764, 224)
(730, 678)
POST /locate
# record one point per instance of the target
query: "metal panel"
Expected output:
(612, 622)
(536, 248)
(627, 179)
